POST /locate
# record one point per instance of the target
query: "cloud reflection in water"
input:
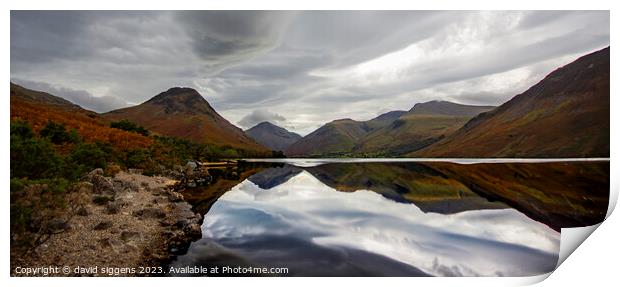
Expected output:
(313, 229)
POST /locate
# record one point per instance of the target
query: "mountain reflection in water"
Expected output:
(385, 219)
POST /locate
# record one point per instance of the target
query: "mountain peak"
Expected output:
(272, 136)
(182, 99)
(265, 124)
(175, 92)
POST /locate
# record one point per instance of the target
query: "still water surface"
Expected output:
(369, 219)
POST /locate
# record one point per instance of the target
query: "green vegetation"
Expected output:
(57, 134)
(46, 166)
(126, 125)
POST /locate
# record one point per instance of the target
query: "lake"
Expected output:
(395, 218)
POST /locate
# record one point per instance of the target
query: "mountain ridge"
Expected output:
(387, 134)
(272, 136)
(566, 114)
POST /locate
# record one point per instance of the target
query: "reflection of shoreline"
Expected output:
(557, 193)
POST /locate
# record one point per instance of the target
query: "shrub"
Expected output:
(21, 129)
(137, 158)
(34, 158)
(56, 133)
(126, 125)
(86, 157)
(35, 204)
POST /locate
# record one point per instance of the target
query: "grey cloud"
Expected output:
(356, 36)
(259, 116)
(78, 97)
(38, 36)
(276, 61)
(536, 18)
(228, 37)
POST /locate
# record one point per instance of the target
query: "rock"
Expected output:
(97, 171)
(130, 236)
(191, 165)
(181, 223)
(56, 225)
(151, 212)
(85, 187)
(159, 200)
(130, 248)
(102, 185)
(82, 211)
(166, 222)
(175, 197)
(114, 207)
(157, 191)
(193, 231)
(103, 225)
(126, 186)
(111, 243)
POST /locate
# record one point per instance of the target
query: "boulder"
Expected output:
(102, 185)
(191, 165)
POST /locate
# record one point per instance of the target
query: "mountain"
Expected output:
(567, 114)
(38, 108)
(334, 138)
(272, 136)
(384, 119)
(390, 134)
(43, 98)
(448, 109)
(340, 136)
(184, 113)
(425, 124)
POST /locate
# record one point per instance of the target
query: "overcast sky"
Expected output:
(297, 69)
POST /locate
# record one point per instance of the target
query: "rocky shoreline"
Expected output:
(127, 221)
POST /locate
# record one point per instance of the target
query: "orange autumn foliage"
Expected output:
(90, 127)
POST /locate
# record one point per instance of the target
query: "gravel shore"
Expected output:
(126, 223)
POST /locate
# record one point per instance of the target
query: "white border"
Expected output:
(593, 264)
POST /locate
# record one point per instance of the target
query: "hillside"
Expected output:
(272, 136)
(334, 138)
(424, 124)
(38, 108)
(390, 134)
(445, 108)
(564, 115)
(184, 113)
